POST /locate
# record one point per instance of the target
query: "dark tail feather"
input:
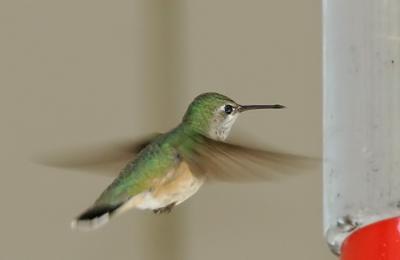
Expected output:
(94, 217)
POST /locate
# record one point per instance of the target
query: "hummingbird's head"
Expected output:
(213, 114)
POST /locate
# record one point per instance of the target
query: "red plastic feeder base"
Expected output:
(377, 241)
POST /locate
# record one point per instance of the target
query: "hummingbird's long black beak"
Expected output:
(253, 107)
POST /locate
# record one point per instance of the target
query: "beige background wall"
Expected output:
(81, 72)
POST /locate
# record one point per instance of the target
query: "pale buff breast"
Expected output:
(177, 186)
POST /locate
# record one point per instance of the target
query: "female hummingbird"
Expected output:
(173, 166)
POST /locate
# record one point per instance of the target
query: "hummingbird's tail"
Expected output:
(94, 217)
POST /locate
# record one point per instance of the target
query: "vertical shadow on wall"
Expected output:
(163, 234)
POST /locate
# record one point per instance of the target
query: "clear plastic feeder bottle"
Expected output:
(361, 59)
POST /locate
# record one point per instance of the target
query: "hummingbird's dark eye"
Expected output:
(228, 109)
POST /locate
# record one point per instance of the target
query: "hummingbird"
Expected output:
(171, 167)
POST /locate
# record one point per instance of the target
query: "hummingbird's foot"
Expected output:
(166, 209)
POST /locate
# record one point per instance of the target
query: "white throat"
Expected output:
(220, 131)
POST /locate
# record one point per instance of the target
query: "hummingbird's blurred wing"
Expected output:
(229, 162)
(107, 159)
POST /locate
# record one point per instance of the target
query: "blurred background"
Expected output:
(77, 73)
